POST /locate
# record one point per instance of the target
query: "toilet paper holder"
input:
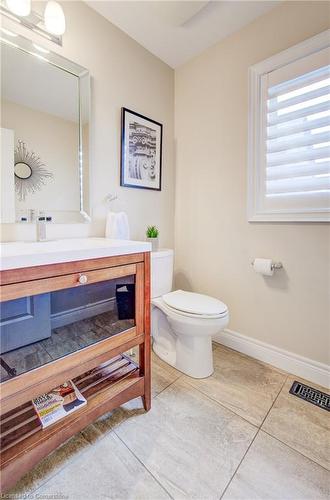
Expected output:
(274, 265)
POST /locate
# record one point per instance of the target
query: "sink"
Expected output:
(49, 245)
(19, 254)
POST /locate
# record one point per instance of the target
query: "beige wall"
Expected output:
(123, 74)
(214, 242)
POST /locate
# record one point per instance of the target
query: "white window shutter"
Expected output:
(290, 139)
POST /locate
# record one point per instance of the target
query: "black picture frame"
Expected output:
(141, 151)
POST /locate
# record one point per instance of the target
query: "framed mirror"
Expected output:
(45, 121)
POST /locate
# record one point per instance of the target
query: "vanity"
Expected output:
(70, 310)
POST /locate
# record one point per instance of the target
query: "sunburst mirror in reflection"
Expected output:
(30, 173)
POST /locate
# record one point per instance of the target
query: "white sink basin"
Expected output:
(20, 254)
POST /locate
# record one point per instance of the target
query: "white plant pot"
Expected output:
(154, 243)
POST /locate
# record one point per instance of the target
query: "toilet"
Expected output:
(183, 323)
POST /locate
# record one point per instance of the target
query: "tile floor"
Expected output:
(236, 435)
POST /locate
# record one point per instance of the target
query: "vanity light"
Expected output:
(50, 24)
(41, 49)
(19, 7)
(54, 18)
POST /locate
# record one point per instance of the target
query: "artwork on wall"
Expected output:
(141, 151)
(30, 173)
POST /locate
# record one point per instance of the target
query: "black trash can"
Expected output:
(125, 298)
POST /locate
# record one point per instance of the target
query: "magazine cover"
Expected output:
(58, 403)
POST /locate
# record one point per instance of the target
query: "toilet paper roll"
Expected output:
(263, 266)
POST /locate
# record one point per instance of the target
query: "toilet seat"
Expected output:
(195, 305)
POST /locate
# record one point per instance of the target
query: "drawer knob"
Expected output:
(83, 279)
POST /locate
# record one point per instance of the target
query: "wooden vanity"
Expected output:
(86, 343)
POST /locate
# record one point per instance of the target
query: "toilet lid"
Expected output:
(194, 303)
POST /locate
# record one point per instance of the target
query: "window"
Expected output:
(289, 134)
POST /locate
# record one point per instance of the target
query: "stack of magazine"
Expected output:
(58, 403)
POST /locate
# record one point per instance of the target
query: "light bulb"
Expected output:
(54, 18)
(19, 7)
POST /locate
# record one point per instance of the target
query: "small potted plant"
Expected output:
(152, 236)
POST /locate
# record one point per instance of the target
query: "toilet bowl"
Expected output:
(183, 323)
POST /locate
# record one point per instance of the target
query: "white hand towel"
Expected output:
(110, 224)
(117, 226)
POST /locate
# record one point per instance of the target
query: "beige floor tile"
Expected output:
(245, 385)
(301, 425)
(271, 470)
(162, 375)
(188, 442)
(107, 470)
(50, 466)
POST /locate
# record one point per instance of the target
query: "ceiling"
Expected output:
(177, 31)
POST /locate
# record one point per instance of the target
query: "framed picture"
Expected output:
(141, 151)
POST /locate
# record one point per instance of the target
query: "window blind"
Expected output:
(297, 137)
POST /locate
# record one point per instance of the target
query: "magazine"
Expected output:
(58, 403)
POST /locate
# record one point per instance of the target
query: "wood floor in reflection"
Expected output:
(63, 341)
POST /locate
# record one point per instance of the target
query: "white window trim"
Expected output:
(255, 130)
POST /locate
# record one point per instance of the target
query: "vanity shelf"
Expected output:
(104, 387)
(105, 375)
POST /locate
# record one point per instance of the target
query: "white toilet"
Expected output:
(183, 323)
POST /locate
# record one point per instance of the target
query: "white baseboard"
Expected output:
(316, 372)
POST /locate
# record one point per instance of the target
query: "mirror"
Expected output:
(44, 134)
(22, 170)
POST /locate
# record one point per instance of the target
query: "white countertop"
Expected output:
(19, 254)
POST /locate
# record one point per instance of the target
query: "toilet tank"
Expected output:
(161, 272)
